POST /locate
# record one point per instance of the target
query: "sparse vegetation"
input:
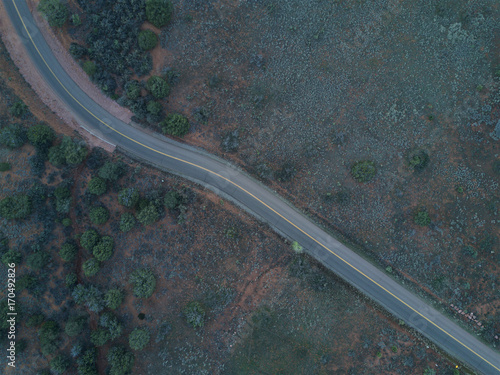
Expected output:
(363, 171)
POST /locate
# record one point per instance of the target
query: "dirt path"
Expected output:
(65, 121)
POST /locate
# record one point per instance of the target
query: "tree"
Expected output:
(41, 136)
(127, 222)
(120, 360)
(91, 267)
(112, 324)
(18, 109)
(87, 362)
(144, 282)
(71, 280)
(138, 338)
(159, 12)
(90, 295)
(27, 281)
(176, 125)
(154, 108)
(158, 87)
(112, 171)
(77, 50)
(96, 158)
(132, 89)
(89, 239)
(363, 171)
(99, 337)
(104, 249)
(13, 136)
(4, 167)
(147, 40)
(128, 197)
(35, 320)
(12, 256)
(63, 198)
(75, 20)
(59, 364)
(17, 206)
(54, 11)
(172, 199)
(148, 215)
(49, 334)
(68, 252)
(421, 217)
(97, 186)
(68, 152)
(195, 314)
(75, 325)
(38, 260)
(90, 68)
(418, 160)
(99, 215)
(114, 298)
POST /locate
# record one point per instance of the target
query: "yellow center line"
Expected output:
(250, 194)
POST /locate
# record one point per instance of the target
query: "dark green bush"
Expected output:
(147, 40)
(4, 167)
(12, 256)
(77, 50)
(159, 12)
(104, 249)
(13, 136)
(75, 325)
(128, 197)
(172, 200)
(90, 68)
(18, 109)
(363, 171)
(158, 87)
(138, 338)
(148, 215)
(421, 217)
(114, 298)
(49, 334)
(99, 215)
(194, 313)
(89, 239)
(35, 320)
(127, 222)
(176, 125)
(418, 160)
(91, 267)
(154, 108)
(120, 360)
(17, 206)
(68, 252)
(99, 337)
(132, 89)
(38, 260)
(71, 280)
(55, 11)
(41, 136)
(27, 281)
(112, 324)
(97, 186)
(112, 171)
(143, 282)
(70, 152)
(59, 364)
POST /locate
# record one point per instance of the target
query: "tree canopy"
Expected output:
(144, 282)
(159, 12)
(55, 11)
(147, 40)
(176, 125)
(158, 87)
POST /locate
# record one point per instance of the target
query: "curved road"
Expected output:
(222, 178)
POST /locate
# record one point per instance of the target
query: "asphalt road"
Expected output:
(229, 181)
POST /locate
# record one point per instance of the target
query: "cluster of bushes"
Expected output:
(101, 248)
(55, 11)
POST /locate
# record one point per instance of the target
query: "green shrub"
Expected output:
(159, 12)
(41, 136)
(89, 239)
(176, 125)
(68, 252)
(38, 260)
(147, 40)
(90, 68)
(68, 152)
(421, 217)
(77, 50)
(87, 362)
(49, 334)
(4, 167)
(158, 87)
(112, 171)
(418, 160)
(363, 171)
(12, 256)
(17, 206)
(99, 215)
(99, 337)
(128, 197)
(112, 324)
(75, 325)
(172, 199)
(91, 267)
(104, 249)
(132, 89)
(144, 282)
(154, 108)
(75, 20)
(148, 215)
(120, 361)
(97, 186)
(66, 222)
(59, 364)
(127, 222)
(114, 298)
(194, 314)
(26, 282)
(71, 280)
(18, 109)
(35, 320)
(54, 11)
(138, 338)
(13, 136)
